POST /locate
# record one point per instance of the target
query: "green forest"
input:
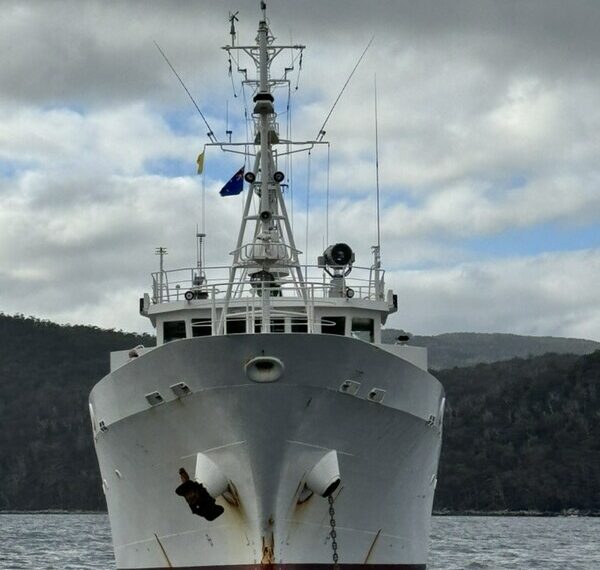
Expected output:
(521, 434)
(47, 458)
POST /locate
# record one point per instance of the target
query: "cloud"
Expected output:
(551, 294)
(62, 141)
(86, 258)
(91, 54)
(487, 125)
(471, 210)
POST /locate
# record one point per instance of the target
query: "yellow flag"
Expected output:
(200, 162)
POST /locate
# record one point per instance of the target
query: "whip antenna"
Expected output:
(377, 248)
(377, 166)
(210, 133)
(322, 129)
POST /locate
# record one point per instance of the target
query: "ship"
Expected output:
(269, 427)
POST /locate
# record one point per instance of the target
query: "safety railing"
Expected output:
(280, 284)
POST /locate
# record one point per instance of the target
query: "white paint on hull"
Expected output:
(266, 438)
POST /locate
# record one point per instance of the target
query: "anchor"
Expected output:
(198, 498)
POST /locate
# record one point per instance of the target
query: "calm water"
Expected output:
(82, 542)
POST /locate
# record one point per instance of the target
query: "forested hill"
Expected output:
(47, 460)
(523, 434)
(520, 434)
(466, 349)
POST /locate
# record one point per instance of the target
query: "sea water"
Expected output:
(82, 542)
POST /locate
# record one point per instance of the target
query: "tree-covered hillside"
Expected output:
(47, 459)
(467, 349)
(519, 434)
(522, 435)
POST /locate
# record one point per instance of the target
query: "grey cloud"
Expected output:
(98, 52)
(552, 294)
(471, 94)
(60, 262)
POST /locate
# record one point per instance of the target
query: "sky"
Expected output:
(489, 153)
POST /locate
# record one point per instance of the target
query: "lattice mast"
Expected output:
(271, 257)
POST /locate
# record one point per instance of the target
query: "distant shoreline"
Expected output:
(51, 512)
(471, 513)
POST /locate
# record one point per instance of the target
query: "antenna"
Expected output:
(199, 247)
(210, 133)
(199, 276)
(228, 131)
(161, 252)
(322, 129)
(377, 166)
(377, 248)
(233, 19)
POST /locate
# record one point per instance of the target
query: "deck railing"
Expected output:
(214, 282)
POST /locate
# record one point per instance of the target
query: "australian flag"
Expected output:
(235, 184)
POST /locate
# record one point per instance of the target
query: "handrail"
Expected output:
(187, 277)
(282, 290)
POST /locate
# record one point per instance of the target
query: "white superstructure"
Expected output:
(270, 386)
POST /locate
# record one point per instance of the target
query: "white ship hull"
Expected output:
(264, 438)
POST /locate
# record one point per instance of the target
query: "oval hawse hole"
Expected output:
(264, 369)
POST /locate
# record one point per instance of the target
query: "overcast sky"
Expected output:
(489, 116)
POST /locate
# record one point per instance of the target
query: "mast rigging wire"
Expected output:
(327, 199)
(210, 134)
(288, 120)
(204, 198)
(230, 73)
(246, 124)
(289, 158)
(299, 70)
(321, 132)
(307, 213)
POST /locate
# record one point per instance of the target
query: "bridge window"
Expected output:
(333, 325)
(363, 329)
(236, 325)
(172, 330)
(201, 327)
(277, 325)
(299, 326)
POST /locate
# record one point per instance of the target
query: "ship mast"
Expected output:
(271, 258)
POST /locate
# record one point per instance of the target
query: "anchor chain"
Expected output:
(333, 533)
